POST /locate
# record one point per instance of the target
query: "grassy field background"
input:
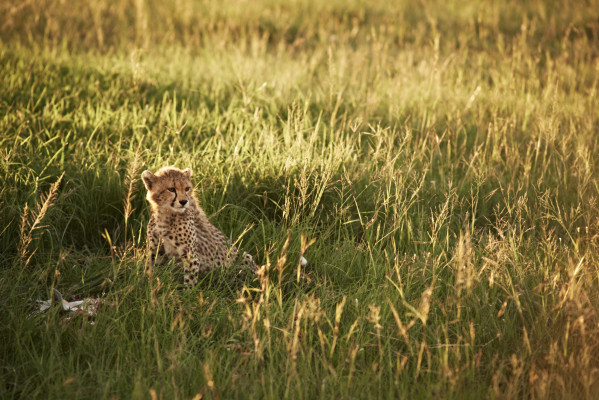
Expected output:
(442, 154)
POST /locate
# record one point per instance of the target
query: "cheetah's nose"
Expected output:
(182, 202)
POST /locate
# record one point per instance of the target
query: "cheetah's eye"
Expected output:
(187, 189)
(172, 190)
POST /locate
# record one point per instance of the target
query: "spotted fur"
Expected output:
(179, 229)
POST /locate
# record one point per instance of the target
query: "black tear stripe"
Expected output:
(173, 203)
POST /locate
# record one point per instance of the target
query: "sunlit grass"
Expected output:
(441, 156)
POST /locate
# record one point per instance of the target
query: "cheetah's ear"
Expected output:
(187, 171)
(148, 178)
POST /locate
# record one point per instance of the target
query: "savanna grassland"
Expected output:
(434, 160)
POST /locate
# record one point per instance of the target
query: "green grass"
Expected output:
(441, 154)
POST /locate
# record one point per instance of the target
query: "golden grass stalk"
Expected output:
(304, 246)
(31, 221)
(130, 180)
(338, 312)
(374, 317)
(401, 329)
(210, 380)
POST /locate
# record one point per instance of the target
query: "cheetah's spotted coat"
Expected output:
(179, 229)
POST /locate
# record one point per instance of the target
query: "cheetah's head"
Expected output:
(170, 188)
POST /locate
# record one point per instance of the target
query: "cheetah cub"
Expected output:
(179, 229)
